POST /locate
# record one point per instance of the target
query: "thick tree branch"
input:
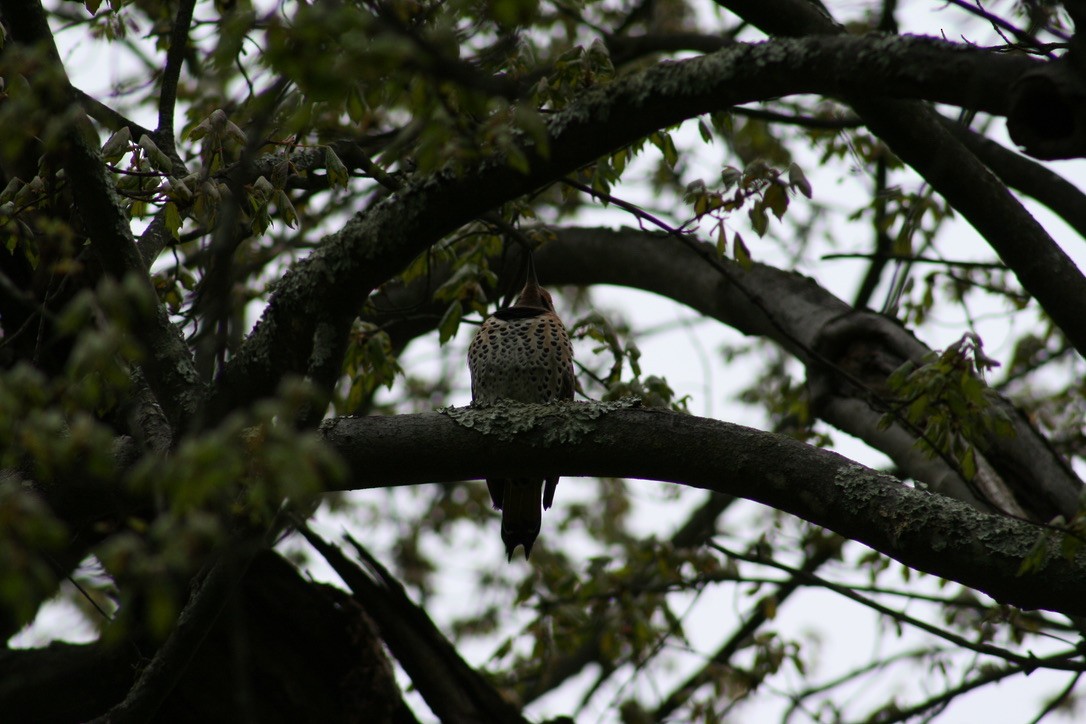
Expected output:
(925, 531)
(158, 679)
(916, 134)
(795, 313)
(337, 669)
(453, 690)
(1027, 176)
(329, 286)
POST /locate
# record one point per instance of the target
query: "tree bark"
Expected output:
(926, 531)
(317, 298)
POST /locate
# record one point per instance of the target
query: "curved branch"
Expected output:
(329, 286)
(917, 135)
(793, 312)
(1027, 176)
(922, 530)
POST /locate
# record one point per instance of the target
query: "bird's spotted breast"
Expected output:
(523, 358)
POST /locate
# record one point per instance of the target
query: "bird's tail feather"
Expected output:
(521, 514)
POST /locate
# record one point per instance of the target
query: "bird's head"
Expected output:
(533, 295)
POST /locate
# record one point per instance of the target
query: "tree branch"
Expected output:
(917, 135)
(788, 309)
(328, 287)
(758, 615)
(699, 528)
(162, 674)
(1027, 176)
(925, 531)
(175, 57)
(454, 691)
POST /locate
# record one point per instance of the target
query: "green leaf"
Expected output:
(117, 145)
(776, 200)
(450, 322)
(703, 129)
(517, 161)
(286, 209)
(759, 219)
(338, 175)
(173, 220)
(969, 463)
(158, 159)
(742, 254)
(1036, 557)
(721, 241)
(662, 140)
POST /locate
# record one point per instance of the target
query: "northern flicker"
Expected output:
(522, 353)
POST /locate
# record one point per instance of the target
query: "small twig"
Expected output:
(920, 260)
(828, 124)
(1067, 661)
(1026, 38)
(940, 701)
(1057, 700)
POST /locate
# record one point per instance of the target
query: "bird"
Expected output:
(522, 353)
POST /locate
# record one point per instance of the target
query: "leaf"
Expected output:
(11, 191)
(173, 220)
(158, 159)
(742, 254)
(262, 189)
(969, 463)
(286, 209)
(516, 160)
(662, 140)
(117, 145)
(721, 241)
(671, 155)
(798, 181)
(1035, 559)
(730, 176)
(337, 172)
(776, 200)
(703, 129)
(618, 160)
(759, 219)
(450, 322)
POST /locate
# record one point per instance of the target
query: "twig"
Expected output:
(920, 260)
(1067, 661)
(941, 700)
(741, 636)
(175, 56)
(1027, 38)
(1057, 700)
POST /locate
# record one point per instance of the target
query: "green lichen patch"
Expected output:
(562, 422)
